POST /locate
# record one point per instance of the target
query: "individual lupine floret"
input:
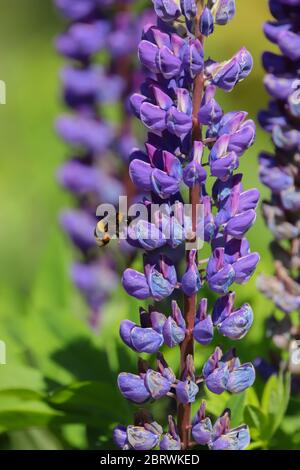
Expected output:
(219, 436)
(232, 323)
(186, 388)
(194, 172)
(206, 24)
(204, 329)
(224, 372)
(227, 74)
(170, 440)
(143, 436)
(191, 281)
(158, 281)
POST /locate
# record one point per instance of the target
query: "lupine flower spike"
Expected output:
(279, 170)
(190, 139)
(92, 173)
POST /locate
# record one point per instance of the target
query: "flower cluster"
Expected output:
(280, 171)
(177, 104)
(93, 172)
(157, 329)
(147, 434)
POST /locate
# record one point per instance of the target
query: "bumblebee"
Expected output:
(102, 235)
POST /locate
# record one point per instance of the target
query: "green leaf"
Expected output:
(236, 404)
(20, 409)
(216, 404)
(256, 420)
(34, 439)
(97, 404)
(275, 400)
(251, 397)
(13, 376)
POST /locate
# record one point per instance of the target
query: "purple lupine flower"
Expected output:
(158, 281)
(148, 384)
(170, 440)
(219, 436)
(225, 372)
(155, 329)
(204, 329)
(186, 388)
(201, 426)
(144, 435)
(279, 169)
(189, 139)
(89, 175)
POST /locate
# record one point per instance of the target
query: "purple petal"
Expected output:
(135, 284)
(241, 378)
(153, 117)
(133, 388)
(204, 331)
(202, 431)
(146, 340)
(238, 323)
(157, 385)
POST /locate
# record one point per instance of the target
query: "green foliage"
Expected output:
(264, 417)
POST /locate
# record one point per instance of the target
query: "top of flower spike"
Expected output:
(222, 11)
(78, 9)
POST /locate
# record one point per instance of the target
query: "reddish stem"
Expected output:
(190, 302)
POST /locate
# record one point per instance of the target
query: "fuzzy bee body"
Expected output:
(102, 235)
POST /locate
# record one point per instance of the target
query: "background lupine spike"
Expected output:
(188, 129)
(279, 171)
(92, 173)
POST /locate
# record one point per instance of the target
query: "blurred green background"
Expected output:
(59, 376)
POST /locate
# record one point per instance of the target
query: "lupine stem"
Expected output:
(190, 302)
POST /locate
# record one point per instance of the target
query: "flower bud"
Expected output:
(289, 44)
(167, 10)
(210, 111)
(120, 436)
(203, 331)
(194, 172)
(172, 333)
(189, 8)
(206, 25)
(202, 429)
(220, 275)
(191, 282)
(186, 391)
(224, 11)
(171, 440)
